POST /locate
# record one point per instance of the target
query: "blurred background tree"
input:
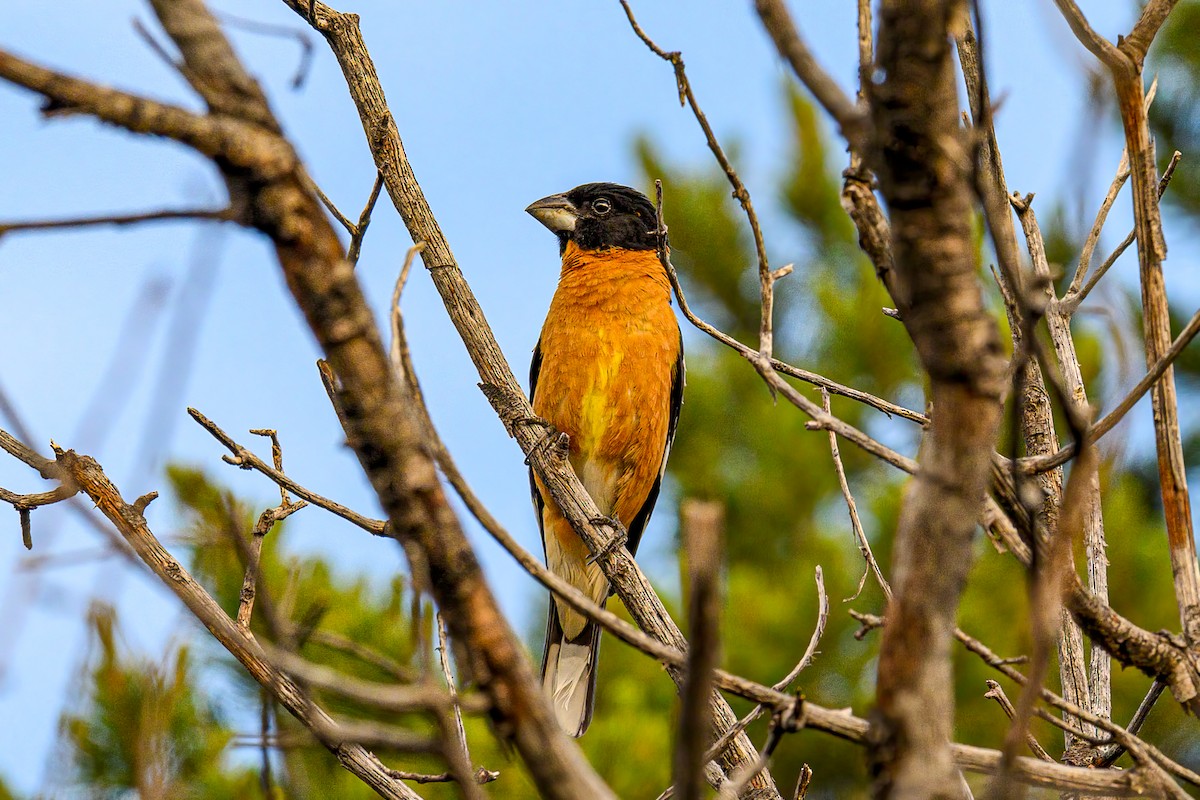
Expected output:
(176, 725)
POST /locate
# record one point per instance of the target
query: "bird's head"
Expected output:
(599, 215)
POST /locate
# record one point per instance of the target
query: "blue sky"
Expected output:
(498, 104)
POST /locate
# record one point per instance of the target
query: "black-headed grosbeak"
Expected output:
(608, 372)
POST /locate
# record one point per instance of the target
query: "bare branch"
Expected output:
(766, 279)
(1117, 750)
(701, 524)
(1072, 300)
(284, 31)
(1156, 319)
(454, 735)
(1100, 47)
(1093, 692)
(860, 536)
(782, 30)
(218, 215)
(481, 776)
(266, 521)
(1110, 420)
(820, 419)
(364, 220)
(920, 162)
(1093, 237)
(247, 460)
(996, 692)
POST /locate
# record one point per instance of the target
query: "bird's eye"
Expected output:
(601, 206)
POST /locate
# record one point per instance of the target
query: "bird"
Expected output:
(608, 372)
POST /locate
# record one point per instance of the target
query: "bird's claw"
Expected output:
(551, 437)
(614, 543)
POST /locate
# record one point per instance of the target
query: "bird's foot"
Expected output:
(618, 539)
(551, 437)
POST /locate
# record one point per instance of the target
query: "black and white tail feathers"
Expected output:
(569, 673)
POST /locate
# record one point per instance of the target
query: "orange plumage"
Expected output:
(608, 372)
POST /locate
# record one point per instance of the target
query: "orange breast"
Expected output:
(609, 348)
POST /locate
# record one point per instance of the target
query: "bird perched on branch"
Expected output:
(608, 372)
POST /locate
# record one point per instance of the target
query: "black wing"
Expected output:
(638, 525)
(535, 367)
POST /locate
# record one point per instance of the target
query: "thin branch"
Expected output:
(246, 459)
(331, 206)
(1154, 14)
(1100, 47)
(364, 220)
(264, 770)
(282, 31)
(1109, 421)
(265, 522)
(820, 419)
(810, 653)
(860, 536)
(191, 214)
(242, 144)
(737, 783)
(1140, 716)
(766, 279)
(1093, 237)
(802, 782)
(481, 776)
(454, 735)
(26, 502)
(996, 692)
(1072, 300)
(851, 121)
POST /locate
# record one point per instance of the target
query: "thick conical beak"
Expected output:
(556, 212)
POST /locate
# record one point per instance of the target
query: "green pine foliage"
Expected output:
(1175, 115)
(144, 727)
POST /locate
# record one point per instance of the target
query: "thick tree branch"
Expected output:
(1125, 61)
(923, 169)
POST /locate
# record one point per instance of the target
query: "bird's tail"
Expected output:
(569, 673)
